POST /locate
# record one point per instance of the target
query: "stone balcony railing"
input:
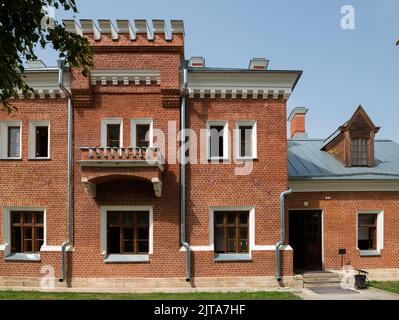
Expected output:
(125, 156)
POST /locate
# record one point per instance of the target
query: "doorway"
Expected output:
(305, 239)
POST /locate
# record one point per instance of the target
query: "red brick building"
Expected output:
(93, 191)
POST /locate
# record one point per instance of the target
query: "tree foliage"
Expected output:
(24, 25)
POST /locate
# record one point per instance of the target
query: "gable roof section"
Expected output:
(306, 161)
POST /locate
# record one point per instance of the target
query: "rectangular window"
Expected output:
(231, 231)
(41, 146)
(217, 140)
(113, 135)
(14, 140)
(360, 152)
(142, 135)
(27, 231)
(246, 139)
(367, 231)
(127, 232)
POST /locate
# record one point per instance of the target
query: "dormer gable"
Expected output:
(353, 142)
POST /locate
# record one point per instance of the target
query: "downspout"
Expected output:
(61, 66)
(183, 174)
(282, 232)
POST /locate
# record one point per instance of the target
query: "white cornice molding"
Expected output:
(343, 185)
(244, 84)
(124, 77)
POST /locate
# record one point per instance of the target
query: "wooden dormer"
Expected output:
(353, 142)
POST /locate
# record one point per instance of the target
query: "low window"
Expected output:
(27, 233)
(217, 140)
(231, 232)
(14, 140)
(113, 135)
(41, 146)
(360, 152)
(142, 135)
(367, 232)
(127, 232)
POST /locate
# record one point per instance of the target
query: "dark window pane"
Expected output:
(39, 233)
(244, 246)
(367, 231)
(128, 219)
(142, 135)
(244, 233)
(28, 217)
(143, 247)
(16, 240)
(39, 218)
(143, 234)
(128, 234)
(244, 218)
(28, 246)
(128, 246)
(113, 135)
(245, 141)
(231, 218)
(216, 141)
(143, 219)
(39, 244)
(219, 217)
(113, 218)
(13, 141)
(42, 141)
(114, 240)
(232, 246)
(28, 233)
(219, 240)
(231, 233)
(16, 217)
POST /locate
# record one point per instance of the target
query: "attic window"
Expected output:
(360, 154)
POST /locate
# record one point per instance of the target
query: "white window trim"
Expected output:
(4, 138)
(380, 231)
(32, 138)
(225, 125)
(133, 131)
(6, 245)
(103, 227)
(237, 140)
(104, 123)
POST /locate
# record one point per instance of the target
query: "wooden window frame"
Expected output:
(356, 161)
(38, 142)
(374, 226)
(22, 225)
(138, 143)
(237, 225)
(225, 137)
(115, 125)
(122, 226)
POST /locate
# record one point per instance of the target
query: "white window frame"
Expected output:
(103, 232)
(380, 232)
(237, 139)
(4, 138)
(133, 130)
(104, 124)
(32, 138)
(6, 245)
(225, 125)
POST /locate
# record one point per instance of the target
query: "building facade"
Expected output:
(101, 187)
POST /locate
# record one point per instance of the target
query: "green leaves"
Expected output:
(23, 24)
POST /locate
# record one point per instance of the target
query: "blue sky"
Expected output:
(342, 68)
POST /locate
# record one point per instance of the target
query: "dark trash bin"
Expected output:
(360, 280)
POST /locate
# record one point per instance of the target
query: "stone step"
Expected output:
(311, 284)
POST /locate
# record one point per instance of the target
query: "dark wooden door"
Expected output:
(312, 240)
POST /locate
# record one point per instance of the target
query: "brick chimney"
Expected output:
(297, 119)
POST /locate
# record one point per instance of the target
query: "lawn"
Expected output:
(35, 295)
(391, 286)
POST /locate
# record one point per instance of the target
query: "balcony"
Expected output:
(102, 164)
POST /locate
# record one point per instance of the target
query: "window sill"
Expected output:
(231, 257)
(127, 258)
(10, 159)
(39, 159)
(23, 257)
(370, 253)
(246, 158)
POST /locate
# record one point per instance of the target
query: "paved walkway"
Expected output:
(334, 293)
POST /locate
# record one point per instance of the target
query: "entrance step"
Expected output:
(321, 279)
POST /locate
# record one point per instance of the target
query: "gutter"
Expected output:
(282, 232)
(61, 66)
(183, 174)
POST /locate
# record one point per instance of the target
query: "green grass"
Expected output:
(391, 286)
(35, 295)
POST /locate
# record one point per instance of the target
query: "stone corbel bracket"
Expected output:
(89, 186)
(157, 183)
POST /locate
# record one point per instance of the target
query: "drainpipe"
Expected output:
(282, 232)
(61, 66)
(183, 174)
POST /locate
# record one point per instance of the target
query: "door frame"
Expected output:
(322, 228)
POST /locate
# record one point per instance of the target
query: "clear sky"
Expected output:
(342, 68)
